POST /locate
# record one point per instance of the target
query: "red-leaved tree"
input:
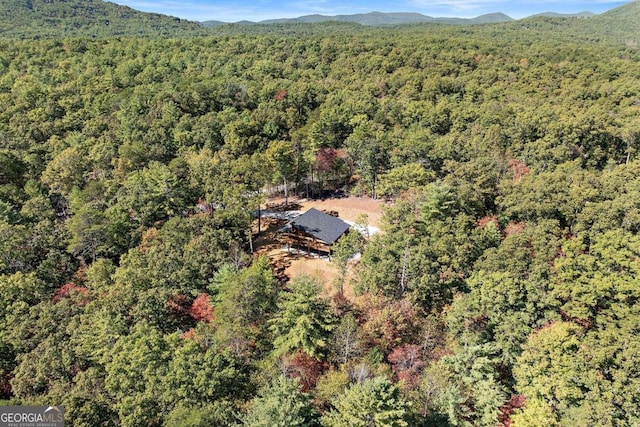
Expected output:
(70, 290)
(406, 362)
(178, 307)
(201, 309)
(306, 368)
(515, 402)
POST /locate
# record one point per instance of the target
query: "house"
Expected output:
(313, 230)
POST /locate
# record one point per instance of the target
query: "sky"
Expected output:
(259, 10)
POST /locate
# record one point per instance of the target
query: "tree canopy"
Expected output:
(502, 289)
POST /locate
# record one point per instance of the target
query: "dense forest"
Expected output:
(33, 19)
(502, 291)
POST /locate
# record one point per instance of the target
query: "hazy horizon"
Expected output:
(228, 11)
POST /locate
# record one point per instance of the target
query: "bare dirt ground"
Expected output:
(348, 208)
(288, 266)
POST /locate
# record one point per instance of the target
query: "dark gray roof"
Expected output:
(320, 225)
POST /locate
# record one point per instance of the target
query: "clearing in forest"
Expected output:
(291, 265)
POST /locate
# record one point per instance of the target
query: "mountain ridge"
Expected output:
(97, 18)
(391, 18)
(583, 14)
(91, 18)
(399, 18)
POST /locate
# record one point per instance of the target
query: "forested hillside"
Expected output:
(88, 18)
(502, 291)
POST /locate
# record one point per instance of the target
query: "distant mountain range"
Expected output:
(585, 14)
(379, 19)
(27, 19)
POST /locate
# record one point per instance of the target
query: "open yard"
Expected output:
(293, 265)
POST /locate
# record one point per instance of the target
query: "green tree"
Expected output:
(473, 393)
(135, 367)
(426, 249)
(347, 247)
(219, 413)
(402, 178)
(500, 309)
(282, 155)
(368, 146)
(616, 204)
(152, 194)
(536, 413)
(21, 288)
(594, 281)
(552, 372)
(590, 356)
(282, 404)
(65, 172)
(246, 300)
(559, 194)
(13, 257)
(97, 230)
(197, 375)
(87, 404)
(376, 402)
(303, 319)
(40, 336)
